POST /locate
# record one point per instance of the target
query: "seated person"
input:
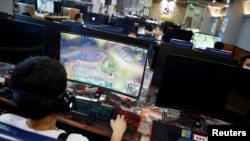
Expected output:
(42, 78)
(133, 34)
(219, 45)
(244, 61)
(78, 18)
(158, 32)
(149, 29)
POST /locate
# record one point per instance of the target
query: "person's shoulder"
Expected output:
(10, 116)
(76, 137)
(12, 119)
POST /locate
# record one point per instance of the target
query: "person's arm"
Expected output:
(118, 126)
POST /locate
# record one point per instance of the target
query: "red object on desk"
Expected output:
(100, 91)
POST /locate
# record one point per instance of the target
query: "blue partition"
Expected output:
(75, 27)
(111, 29)
(181, 43)
(217, 52)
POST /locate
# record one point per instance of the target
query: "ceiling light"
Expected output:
(214, 0)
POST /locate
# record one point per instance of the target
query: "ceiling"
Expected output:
(220, 3)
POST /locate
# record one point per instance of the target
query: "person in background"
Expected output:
(219, 45)
(133, 34)
(158, 32)
(244, 61)
(39, 89)
(78, 18)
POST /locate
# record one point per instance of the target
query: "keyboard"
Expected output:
(89, 112)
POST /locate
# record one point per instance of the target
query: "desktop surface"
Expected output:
(95, 115)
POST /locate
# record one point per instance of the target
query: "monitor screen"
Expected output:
(239, 92)
(159, 59)
(52, 31)
(105, 63)
(20, 40)
(45, 6)
(202, 41)
(195, 85)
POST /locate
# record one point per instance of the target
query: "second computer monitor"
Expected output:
(45, 6)
(199, 86)
(203, 41)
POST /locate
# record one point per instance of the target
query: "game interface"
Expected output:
(202, 41)
(113, 65)
(45, 5)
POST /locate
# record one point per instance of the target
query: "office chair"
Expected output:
(151, 39)
(217, 52)
(111, 29)
(75, 27)
(181, 43)
(3, 15)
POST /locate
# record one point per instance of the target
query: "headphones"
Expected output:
(64, 103)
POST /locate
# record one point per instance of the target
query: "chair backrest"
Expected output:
(70, 12)
(10, 133)
(146, 37)
(3, 15)
(111, 29)
(181, 43)
(217, 52)
(126, 27)
(75, 27)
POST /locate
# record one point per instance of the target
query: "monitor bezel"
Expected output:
(118, 41)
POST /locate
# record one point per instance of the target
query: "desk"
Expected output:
(48, 17)
(100, 127)
(55, 18)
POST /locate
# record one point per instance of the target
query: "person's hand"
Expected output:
(119, 126)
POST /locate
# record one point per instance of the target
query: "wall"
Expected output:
(196, 13)
(243, 38)
(178, 10)
(6, 6)
(124, 6)
(96, 5)
(206, 23)
(235, 21)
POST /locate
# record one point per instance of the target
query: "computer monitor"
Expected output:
(159, 59)
(20, 40)
(51, 34)
(45, 6)
(105, 63)
(95, 18)
(197, 86)
(202, 41)
(58, 7)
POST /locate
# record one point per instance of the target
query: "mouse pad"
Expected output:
(164, 131)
